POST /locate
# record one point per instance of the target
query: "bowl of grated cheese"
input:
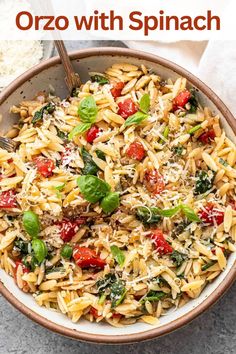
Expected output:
(118, 209)
(16, 57)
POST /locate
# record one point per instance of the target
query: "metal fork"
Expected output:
(8, 144)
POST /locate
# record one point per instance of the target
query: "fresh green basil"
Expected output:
(144, 103)
(136, 118)
(102, 80)
(148, 215)
(118, 255)
(189, 213)
(168, 213)
(66, 251)
(40, 249)
(90, 167)
(88, 110)
(93, 188)
(165, 135)
(79, 129)
(110, 202)
(31, 223)
(60, 187)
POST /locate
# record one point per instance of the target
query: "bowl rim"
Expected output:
(223, 286)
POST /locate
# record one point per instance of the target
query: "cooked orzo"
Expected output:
(119, 202)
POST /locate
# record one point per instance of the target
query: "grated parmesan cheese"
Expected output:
(16, 57)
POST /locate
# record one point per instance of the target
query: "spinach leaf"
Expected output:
(106, 282)
(61, 134)
(204, 181)
(208, 265)
(178, 150)
(110, 202)
(48, 109)
(90, 168)
(136, 118)
(88, 110)
(30, 262)
(100, 154)
(144, 103)
(223, 162)
(118, 255)
(22, 246)
(153, 296)
(148, 215)
(93, 188)
(117, 294)
(79, 129)
(102, 80)
(178, 258)
(193, 102)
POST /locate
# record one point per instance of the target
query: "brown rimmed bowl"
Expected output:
(50, 73)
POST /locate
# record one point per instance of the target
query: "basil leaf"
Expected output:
(79, 129)
(118, 255)
(102, 80)
(48, 109)
(110, 202)
(31, 223)
(66, 251)
(117, 294)
(148, 215)
(153, 296)
(60, 188)
(90, 168)
(136, 118)
(189, 213)
(178, 258)
(88, 110)
(40, 249)
(92, 188)
(168, 213)
(144, 103)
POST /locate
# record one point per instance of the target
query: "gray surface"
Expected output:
(214, 332)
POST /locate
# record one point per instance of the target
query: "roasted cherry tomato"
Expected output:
(8, 199)
(94, 312)
(86, 258)
(69, 228)
(92, 133)
(44, 166)
(207, 137)
(24, 268)
(136, 151)
(127, 108)
(181, 100)
(232, 203)
(162, 246)
(211, 215)
(154, 181)
(117, 88)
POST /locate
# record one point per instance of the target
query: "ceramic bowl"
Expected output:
(50, 73)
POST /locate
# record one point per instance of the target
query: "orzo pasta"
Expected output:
(119, 202)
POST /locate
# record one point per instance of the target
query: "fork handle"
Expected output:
(72, 79)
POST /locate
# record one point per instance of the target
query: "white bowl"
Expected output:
(51, 73)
